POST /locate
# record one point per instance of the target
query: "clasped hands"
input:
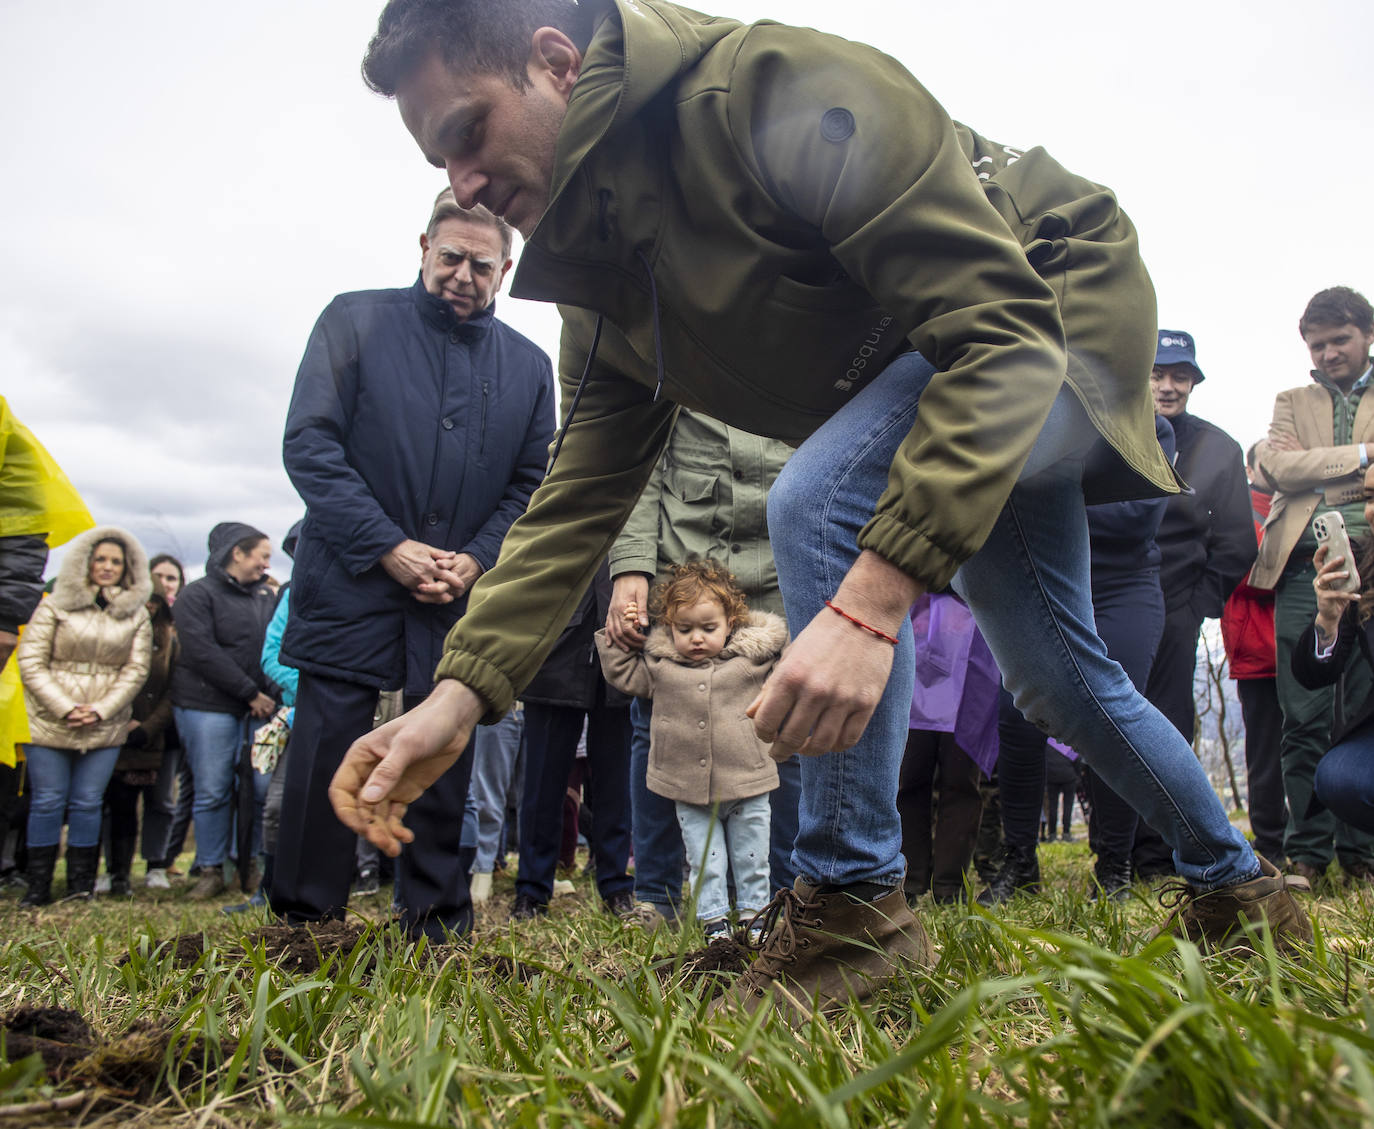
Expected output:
(82, 716)
(433, 576)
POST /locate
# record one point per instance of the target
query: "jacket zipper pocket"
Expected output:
(482, 435)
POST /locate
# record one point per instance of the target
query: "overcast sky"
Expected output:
(187, 184)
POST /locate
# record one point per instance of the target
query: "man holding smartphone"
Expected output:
(1315, 457)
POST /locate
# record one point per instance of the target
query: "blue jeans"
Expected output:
(71, 782)
(1345, 779)
(659, 860)
(733, 835)
(1030, 592)
(211, 741)
(496, 748)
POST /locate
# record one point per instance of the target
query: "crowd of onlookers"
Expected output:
(155, 706)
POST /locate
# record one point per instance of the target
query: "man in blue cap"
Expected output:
(1206, 542)
(1315, 458)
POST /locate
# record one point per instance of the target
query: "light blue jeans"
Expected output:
(733, 835)
(1029, 588)
(212, 742)
(70, 781)
(496, 748)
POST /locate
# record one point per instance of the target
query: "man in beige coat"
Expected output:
(1318, 449)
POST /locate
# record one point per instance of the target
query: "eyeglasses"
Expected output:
(482, 268)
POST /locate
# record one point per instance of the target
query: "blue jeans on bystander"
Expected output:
(71, 782)
(211, 742)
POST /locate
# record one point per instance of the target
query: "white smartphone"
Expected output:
(1329, 529)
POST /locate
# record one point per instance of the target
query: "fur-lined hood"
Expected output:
(72, 591)
(761, 635)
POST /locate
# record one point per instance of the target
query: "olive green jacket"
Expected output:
(707, 497)
(765, 216)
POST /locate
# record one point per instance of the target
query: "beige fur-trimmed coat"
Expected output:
(75, 652)
(702, 749)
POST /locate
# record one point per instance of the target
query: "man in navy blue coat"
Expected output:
(418, 428)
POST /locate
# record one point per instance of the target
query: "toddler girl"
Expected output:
(704, 661)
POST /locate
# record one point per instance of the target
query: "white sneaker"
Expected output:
(157, 879)
(479, 886)
(102, 884)
(563, 886)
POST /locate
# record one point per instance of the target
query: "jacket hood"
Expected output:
(637, 50)
(292, 538)
(223, 538)
(761, 636)
(72, 591)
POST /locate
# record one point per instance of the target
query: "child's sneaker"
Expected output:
(156, 879)
(715, 929)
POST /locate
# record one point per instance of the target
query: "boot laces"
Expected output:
(776, 928)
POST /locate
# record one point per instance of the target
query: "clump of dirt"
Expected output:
(723, 955)
(61, 1036)
(186, 950)
(303, 948)
(128, 1066)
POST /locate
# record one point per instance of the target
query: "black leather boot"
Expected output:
(1018, 874)
(1113, 878)
(82, 863)
(41, 862)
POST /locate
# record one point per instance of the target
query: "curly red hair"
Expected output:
(697, 580)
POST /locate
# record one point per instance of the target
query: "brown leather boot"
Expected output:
(820, 949)
(1217, 919)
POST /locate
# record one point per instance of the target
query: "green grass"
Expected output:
(1056, 1012)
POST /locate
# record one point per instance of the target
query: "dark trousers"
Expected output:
(940, 806)
(1128, 612)
(314, 859)
(1259, 706)
(1312, 834)
(1058, 795)
(1170, 690)
(551, 734)
(14, 813)
(181, 816)
(1344, 780)
(121, 801)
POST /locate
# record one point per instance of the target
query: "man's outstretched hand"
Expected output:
(827, 684)
(386, 770)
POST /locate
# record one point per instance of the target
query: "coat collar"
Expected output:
(761, 636)
(440, 315)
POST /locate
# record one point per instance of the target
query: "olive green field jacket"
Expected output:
(707, 497)
(765, 216)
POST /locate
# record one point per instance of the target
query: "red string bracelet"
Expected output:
(883, 635)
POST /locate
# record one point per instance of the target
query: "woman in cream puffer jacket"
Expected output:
(83, 658)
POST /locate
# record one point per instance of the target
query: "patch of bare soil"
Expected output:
(303, 948)
(126, 1067)
(58, 1034)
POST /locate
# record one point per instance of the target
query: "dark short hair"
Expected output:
(491, 36)
(246, 545)
(167, 558)
(1337, 305)
(446, 208)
